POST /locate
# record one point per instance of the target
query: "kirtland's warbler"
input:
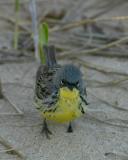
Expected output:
(60, 94)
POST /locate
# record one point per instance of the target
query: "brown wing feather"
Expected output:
(44, 78)
(44, 83)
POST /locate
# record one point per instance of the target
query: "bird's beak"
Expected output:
(71, 87)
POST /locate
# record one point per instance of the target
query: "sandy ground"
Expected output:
(102, 134)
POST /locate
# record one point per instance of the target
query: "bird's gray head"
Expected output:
(68, 76)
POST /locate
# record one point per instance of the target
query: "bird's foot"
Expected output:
(46, 131)
(70, 129)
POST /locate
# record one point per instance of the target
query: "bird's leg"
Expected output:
(70, 129)
(46, 130)
(84, 100)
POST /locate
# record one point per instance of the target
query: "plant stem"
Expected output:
(1, 94)
(32, 9)
(9, 147)
(16, 32)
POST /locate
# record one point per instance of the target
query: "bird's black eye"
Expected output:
(77, 84)
(62, 82)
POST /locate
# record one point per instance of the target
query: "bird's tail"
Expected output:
(50, 52)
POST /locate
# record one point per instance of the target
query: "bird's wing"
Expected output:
(83, 95)
(45, 96)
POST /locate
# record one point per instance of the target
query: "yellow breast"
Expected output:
(67, 106)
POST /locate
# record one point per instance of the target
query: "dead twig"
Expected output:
(98, 67)
(15, 56)
(19, 112)
(14, 52)
(110, 54)
(116, 155)
(12, 21)
(6, 150)
(87, 21)
(105, 122)
(101, 84)
(83, 51)
(114, 82)
(10, 114)
(11, 149)
(1, 93)
(19, 85)
(108, 103)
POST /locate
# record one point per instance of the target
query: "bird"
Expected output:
(60, 92)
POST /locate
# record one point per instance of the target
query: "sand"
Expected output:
(101, 134)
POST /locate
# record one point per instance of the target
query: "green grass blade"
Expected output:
(43, 40)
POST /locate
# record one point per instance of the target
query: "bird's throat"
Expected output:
(66, 93)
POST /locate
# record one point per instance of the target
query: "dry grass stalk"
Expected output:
(10, 148)
(115, 82)
(87, 21)
(83, 51)
(98, 67)
(12, 22)
(19, 112)
(113, 105)
(105, 121)
(1, 94)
